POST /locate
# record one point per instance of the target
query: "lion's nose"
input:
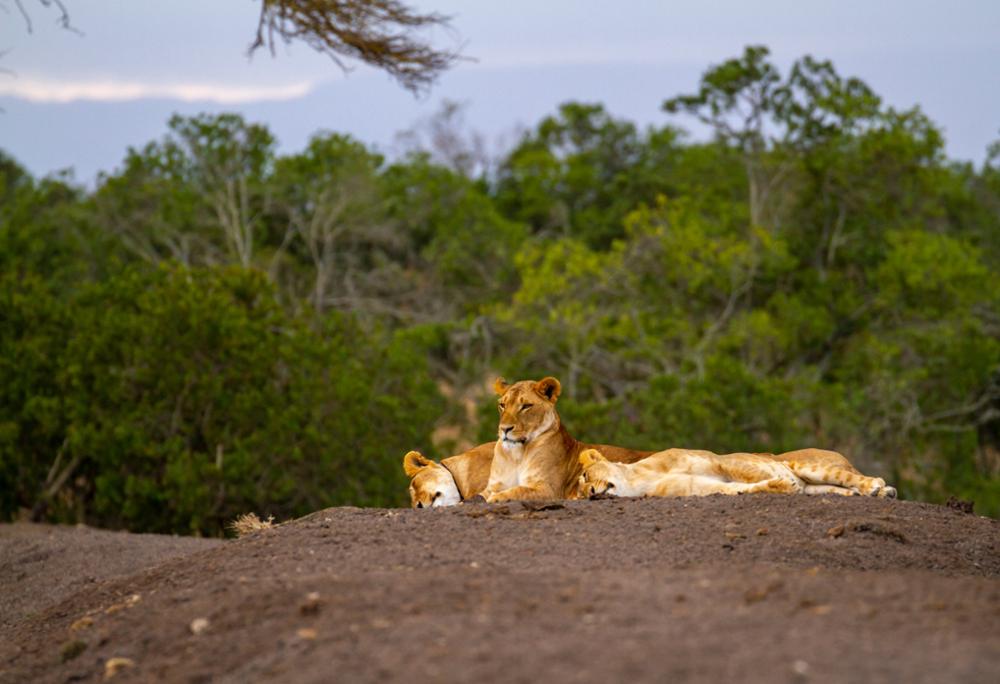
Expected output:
(504, 429)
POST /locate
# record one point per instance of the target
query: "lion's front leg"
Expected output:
(536, 491)
(486, 495)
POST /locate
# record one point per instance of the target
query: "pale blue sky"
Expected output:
(79, 101)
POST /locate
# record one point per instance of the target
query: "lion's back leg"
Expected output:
(814, 474)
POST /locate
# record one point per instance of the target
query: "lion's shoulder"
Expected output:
(471, 469)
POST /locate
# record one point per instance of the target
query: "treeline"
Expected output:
(217, 328)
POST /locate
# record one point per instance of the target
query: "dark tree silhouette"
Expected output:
(62, 19)
(382, 33)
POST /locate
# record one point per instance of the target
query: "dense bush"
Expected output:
(175, 399)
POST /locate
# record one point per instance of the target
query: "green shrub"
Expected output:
(183, 397)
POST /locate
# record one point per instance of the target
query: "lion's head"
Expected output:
(527, 410)
(431, 484)
(601, 477)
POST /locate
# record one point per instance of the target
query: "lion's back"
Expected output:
(817, 457)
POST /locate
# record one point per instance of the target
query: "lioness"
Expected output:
(453, 480)
(687, 472)
(535, 457)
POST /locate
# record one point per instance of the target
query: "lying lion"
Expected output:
(687, 472)
(454, 480)
(535, 457)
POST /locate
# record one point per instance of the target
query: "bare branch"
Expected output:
(62, 20)
(24, 13)
(378, 32)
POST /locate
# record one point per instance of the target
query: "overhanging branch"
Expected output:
(381, 33)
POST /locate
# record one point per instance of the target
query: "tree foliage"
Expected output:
(219, 327)
(175, 398)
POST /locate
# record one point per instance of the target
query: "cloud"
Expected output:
(38, 90)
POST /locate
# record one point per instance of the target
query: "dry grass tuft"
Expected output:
(249, 523)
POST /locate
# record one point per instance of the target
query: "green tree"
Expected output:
(199, 196)
(818, 273)
(459, 248)
(328, 198)
(567, 177)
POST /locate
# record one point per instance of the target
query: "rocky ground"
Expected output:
(750, 589)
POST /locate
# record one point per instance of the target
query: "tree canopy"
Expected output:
(218, 326)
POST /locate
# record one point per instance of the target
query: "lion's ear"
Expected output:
(589, 457)
(500, 386)
(414, 462)
(549, 388)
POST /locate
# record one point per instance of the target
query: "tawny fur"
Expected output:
(534, 456)
(820, 468)
(690, 472)
(435, 484)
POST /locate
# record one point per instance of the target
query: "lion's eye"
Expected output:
(525, 407)
(500, 406)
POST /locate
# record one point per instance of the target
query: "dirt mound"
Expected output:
(762, 588)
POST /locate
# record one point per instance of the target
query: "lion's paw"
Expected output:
(876, 485)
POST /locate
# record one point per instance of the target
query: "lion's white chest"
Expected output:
(514, 450)
(509, 474)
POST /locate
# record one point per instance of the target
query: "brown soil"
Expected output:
(750, 589)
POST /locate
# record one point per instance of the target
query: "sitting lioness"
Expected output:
(453, 480)
(687, 472)
(534, 456)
